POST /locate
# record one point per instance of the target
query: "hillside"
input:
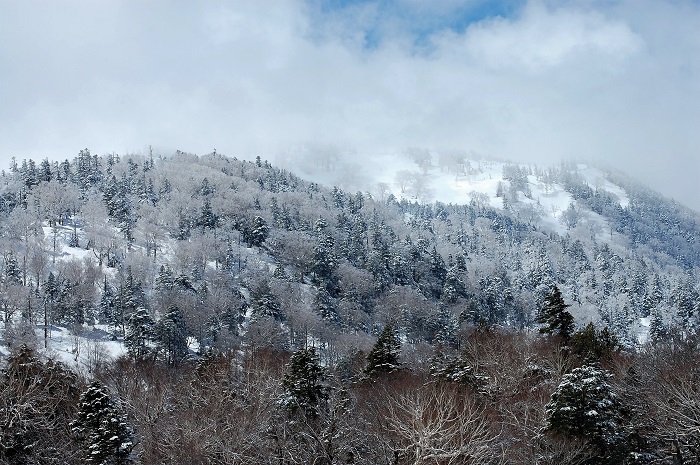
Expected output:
(345, 262)
(260, 314)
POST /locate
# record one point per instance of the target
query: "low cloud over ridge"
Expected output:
(538, 81)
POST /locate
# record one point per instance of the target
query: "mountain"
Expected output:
(227, 234)
(232, 311)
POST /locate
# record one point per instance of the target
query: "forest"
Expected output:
(268, 319)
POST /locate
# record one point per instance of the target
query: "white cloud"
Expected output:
(618, 81)
(541, 39)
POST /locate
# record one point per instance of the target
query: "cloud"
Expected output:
(535, 81)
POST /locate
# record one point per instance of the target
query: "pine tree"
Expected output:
(447, 327)
(593, 344)
(280, 273)
(303, 382)
(165, 280)
(171, 335)
(453, 288)
(259, 231)
(384, 356)
(324, 305)
(584, 406)
(107, 436)
(207, 219)
(264, 302)
(139, 332)
(657, 328)
(555, 317)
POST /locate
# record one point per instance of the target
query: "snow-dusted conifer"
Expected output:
(303, 382)
(554, 317)
(384, 356)
(139, 332)
(584, 406)
(107, 436)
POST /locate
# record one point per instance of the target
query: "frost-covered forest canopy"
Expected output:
(205, 309)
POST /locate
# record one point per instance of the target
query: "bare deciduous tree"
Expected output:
(437, 425)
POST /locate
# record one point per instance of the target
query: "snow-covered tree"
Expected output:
(554, 317)
(384, 356)
(264, 302)
(171, 335)
(585, 406)
(107, 435)
(303, 382)
(139, 332)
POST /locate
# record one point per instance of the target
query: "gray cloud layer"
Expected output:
(615, 81)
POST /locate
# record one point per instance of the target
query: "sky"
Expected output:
(528, 81)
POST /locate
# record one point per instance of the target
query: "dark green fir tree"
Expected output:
(107, 436)
(384, 356)
(554, 317)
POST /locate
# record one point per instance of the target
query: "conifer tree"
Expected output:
(107, 436)
(139, 332)
(171, 335)
(303, 382)
(264, 302)
(584, 406)
(324, 305)
(554, 316)
(384, 356)
(259, 231)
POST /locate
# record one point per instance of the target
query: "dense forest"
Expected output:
(267, 319)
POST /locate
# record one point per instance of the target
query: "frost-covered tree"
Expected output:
(139, 332)
(107, 436)
(171, 335)
(264, 302)
(554, 317)
(384, 356)
(303, 382)
(584, 406)
(325, 306)
(258, 231)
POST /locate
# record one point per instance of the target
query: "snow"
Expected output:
(642, 330)
(81, 350)
(546, 204)
(596, 179)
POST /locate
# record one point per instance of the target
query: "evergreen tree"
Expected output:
(280, 273)
(593, 344)
(657, 328)
(264, 302)
(453, 288)
(554, 316)
(458, 370)
(303, 382)
(324, 305)
(139, 332)
(165, 280)
(107, 436)
(384, 356)
(106, 306)
(447, 327)
(171, 335)
(13, 273)
(259, 231)
(584, 406)
(207, 219)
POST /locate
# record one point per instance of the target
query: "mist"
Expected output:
(532, 81)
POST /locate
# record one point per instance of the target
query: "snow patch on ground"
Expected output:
(82, 348)
(642, 329)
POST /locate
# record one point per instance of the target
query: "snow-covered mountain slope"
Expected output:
(459, 180)
(218, 243)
